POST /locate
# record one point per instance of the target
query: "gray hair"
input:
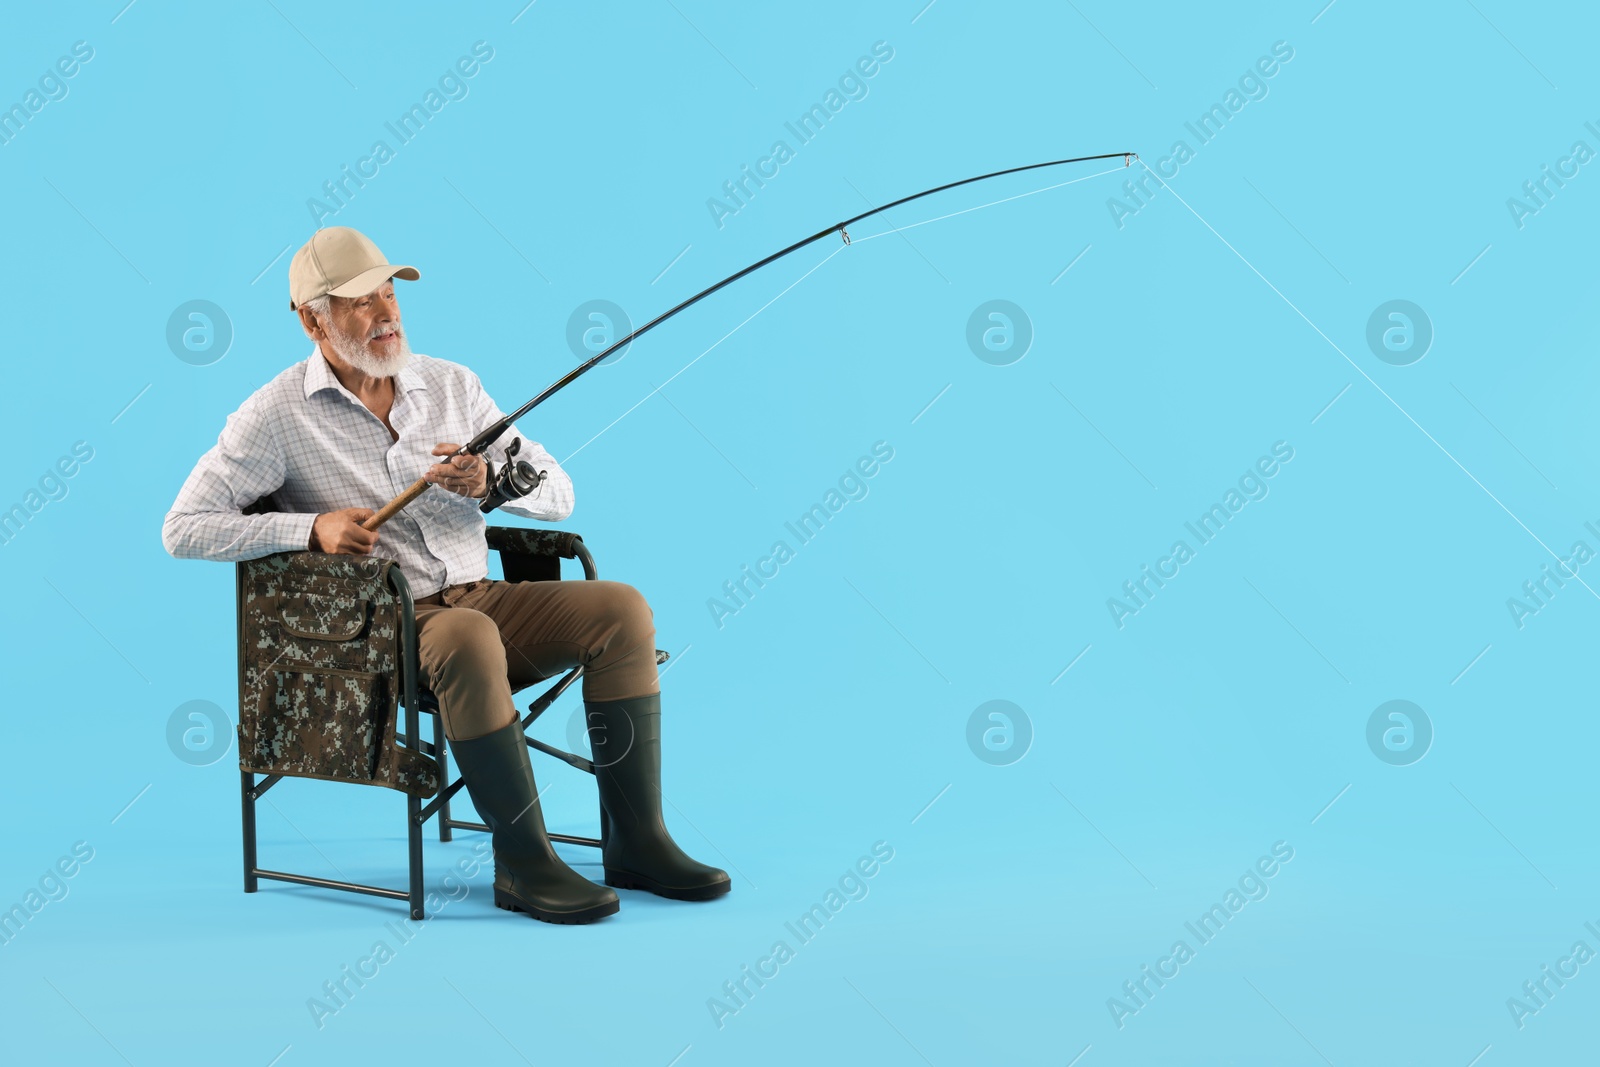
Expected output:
(318, 306)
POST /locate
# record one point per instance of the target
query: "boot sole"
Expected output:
(624, 880)
(508, 902)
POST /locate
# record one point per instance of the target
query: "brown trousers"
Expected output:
(481, 641)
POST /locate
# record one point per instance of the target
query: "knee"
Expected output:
(469, 642)
(623, 606)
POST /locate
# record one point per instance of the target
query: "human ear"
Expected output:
(309, 323)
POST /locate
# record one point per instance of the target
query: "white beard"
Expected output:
(353, 350)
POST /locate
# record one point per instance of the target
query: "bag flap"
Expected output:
(323, 616)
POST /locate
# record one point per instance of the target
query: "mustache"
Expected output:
(353, 349)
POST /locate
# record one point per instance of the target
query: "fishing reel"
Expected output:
(516, 479)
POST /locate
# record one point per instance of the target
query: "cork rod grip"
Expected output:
(392, 508)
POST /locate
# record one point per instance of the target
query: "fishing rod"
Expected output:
(522, 478)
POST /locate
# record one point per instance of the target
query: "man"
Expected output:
(345, 431)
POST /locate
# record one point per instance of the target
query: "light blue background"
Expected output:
(827, 714)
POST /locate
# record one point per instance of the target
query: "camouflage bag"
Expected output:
(320, 663)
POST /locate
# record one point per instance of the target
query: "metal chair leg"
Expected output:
(441, 752)
(414, 847)
(248, 814)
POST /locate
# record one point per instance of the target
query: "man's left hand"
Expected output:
(464, 475)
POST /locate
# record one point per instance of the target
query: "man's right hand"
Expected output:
(341, 533)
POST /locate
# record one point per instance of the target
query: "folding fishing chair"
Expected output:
(328, 655)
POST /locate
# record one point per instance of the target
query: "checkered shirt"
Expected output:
(310, 443)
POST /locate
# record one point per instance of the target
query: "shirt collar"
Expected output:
(320, 376)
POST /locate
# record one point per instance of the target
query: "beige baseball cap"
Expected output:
(339, 261)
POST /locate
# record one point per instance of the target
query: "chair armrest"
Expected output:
(531, 542)
(532, 555)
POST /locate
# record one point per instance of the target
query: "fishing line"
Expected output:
(980, 207)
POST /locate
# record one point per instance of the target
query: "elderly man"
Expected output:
(346, 430)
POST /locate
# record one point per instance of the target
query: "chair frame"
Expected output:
(417, 702)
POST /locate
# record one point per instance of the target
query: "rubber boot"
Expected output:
(528, 875)
(637, 850)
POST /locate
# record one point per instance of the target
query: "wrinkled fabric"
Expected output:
(480, 642)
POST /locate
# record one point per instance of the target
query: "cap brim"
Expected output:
(371, 278)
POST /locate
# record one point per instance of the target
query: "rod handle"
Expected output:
(389, 510)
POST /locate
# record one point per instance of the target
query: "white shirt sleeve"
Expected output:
(554, 499)
(245, 464)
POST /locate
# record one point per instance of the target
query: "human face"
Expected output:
(365, 332)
